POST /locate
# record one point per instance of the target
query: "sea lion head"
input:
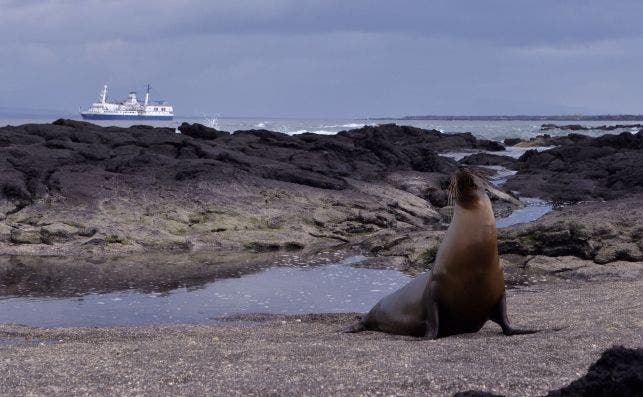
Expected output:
(468, 186)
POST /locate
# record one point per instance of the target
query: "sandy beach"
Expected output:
(305, 355)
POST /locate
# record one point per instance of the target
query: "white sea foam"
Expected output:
(516, 151)
(211, 121)
(511, 151)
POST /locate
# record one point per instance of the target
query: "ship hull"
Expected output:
(97, 116)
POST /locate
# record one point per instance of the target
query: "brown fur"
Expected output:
(465, 288)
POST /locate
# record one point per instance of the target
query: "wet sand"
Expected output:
(305, 355)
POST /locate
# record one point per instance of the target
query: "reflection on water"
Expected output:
(534, 209)
(284, 290)
(500, 174)
(47, 276)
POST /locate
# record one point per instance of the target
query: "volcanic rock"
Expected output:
(618, 372)
(151, 188)
(607, 167)
(613, 232)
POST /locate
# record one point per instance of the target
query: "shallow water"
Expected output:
(334, 288)
(501, 174)
(534, 209)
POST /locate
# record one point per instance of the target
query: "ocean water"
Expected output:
(494, 130)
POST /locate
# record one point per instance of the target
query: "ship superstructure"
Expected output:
(129, 109)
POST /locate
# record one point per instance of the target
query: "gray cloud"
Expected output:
(510, 22)
(327, 58)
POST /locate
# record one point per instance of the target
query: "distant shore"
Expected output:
(562, 117)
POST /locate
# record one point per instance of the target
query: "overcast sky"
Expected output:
(327, 58)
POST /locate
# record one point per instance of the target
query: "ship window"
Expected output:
(156, 108)
(163, 109)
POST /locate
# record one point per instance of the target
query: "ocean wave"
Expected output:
(325, 132)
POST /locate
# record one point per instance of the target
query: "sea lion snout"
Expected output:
(466, 184)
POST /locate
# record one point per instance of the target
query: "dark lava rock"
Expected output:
(200, 131)
(606, 167)
(77, 159)
(547, 140)
(74, 124)
(438, 198)
(576, 127)
(618, 372)
(560, 239)
(440, 142)
(492, 146)
(571, 127)
(489, 159)
(602, 232)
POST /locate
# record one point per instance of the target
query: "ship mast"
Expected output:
(103, 94)
(147, 95)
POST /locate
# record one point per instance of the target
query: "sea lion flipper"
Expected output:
(499, 316)
(432, 321)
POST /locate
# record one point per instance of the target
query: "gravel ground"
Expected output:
(273, 355)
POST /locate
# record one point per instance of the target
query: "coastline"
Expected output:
(306, 355)
(208, 204)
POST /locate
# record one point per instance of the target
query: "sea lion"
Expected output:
(465, 287)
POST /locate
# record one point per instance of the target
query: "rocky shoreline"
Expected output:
(578, 127)
(75, 189)
(88, 209)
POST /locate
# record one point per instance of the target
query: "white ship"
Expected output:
(129, 109)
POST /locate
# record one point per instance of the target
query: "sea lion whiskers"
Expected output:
(464, 184)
